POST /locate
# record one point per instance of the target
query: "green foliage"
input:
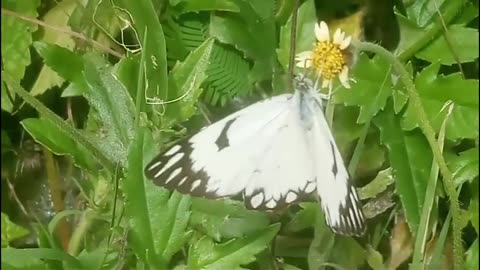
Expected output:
(128, 78)
(11, 231)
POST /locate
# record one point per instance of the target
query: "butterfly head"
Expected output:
(302, 83)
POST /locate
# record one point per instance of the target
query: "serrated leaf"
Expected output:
(58, 141)
(410, 158)
(372, 89)
(226, 75)
(137, 209)
(63, 62)
(464, 167)
(462, 40)
(435, 91)
(378, 185)
(17, 36)
(422, 11)
(59, 16)
(205, 254)
(251, 32)
(186, 79)
(11, 231)
(113, 107)
(222, 219)
(169, 221)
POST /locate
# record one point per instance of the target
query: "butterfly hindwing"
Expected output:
(338, 197)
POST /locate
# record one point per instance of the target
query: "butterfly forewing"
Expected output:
(245, 153)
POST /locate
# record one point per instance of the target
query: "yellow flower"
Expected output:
(329, 58)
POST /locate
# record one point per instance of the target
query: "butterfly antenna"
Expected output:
(293, 37)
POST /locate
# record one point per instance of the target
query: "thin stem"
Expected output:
(293, 38)
(429, 133)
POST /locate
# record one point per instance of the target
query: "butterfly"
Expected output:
(273, 153)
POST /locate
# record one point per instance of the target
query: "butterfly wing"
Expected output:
(259, 151)
(338, 197)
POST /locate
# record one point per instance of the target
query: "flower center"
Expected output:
(328, 59)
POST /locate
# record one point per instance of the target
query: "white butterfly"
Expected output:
(274, 152)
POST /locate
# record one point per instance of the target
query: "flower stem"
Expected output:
(429, 133)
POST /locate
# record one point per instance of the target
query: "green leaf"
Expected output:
(471, 259)
(185, 6)
(11, 231)
(113, 107)
(205, 254)
(464, 166)
(372, 89)
(169, 220)
(187, 78)
(375, 259)
(422, 11)
(144, 18)
(58, 141)
(410, 158)
(33, 256)
(221, 219)
(462, 40)
(305, 37)
(473, 212)
(17, 36)
(322, 243)
(435, 91)
(63, 62)
(137, 209)
(6, 142)
(226, 75)
(353, 255)
(378, 185)
(59, 16)
(251, 31)
(228, 68)
(305, 218)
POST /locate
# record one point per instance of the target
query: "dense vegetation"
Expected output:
(93, 89)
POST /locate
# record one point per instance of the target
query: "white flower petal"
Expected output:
(307, 63)
(304, 55)
(338, 36)
(321, 32)
(304, 59)
(345, 43)
(343, 77)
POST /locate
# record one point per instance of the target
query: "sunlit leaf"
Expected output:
(372, 88)
(435, 91)
(11, 231)
(461, 46)
(59, 15)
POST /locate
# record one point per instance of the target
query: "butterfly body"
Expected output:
(274, 152)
